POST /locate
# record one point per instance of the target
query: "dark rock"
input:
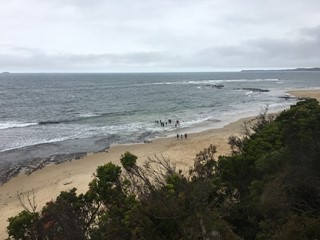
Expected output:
(7, 171)
(254, 89)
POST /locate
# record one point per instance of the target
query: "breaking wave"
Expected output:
(7, 125)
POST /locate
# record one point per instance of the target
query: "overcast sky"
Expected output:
(158, 35)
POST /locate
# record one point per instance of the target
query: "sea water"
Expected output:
(43, 114)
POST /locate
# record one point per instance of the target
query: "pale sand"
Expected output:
(50, 181)
(306, 93)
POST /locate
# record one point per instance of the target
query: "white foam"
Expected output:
(88, 115)
(254, 80)
(216, 81)
(12, 124)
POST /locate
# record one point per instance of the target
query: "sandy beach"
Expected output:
(306, 94)
(47, 183)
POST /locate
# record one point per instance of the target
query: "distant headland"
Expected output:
(292, 69)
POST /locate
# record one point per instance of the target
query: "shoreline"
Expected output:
(10, 169)
(49, 181)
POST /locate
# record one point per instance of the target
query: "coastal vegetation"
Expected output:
(268, 188)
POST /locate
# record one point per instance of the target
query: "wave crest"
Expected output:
(7, 125)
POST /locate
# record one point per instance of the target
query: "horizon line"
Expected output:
(132, 72)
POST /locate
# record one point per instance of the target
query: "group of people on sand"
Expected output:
(176, 124)
(181, 136)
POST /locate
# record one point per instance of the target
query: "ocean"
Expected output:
(44, 114)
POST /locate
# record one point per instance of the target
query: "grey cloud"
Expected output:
(99, 35)
(86, 62)
(261, 52)
(264, 52)
(305, 46)
(312, 33)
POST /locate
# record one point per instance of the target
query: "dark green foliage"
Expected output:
(299, 227)
(276, 171)
(269, 188)
(204, 164)
(128, 160)
(23, 226)
(70, 216)
(109, 189)
(107, 185)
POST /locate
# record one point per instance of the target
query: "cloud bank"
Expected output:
(122, 36)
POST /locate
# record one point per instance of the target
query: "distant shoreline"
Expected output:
(314, 69)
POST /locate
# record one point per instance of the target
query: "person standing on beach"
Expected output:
(178, 135)
(185, 135)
